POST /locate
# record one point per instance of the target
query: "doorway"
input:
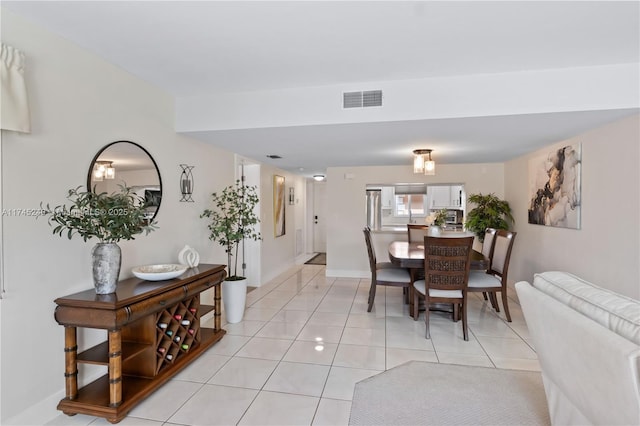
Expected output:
(319, 217)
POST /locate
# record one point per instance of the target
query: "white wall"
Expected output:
(277, 254)
(79, 104)
(346, 186)
(606, 250)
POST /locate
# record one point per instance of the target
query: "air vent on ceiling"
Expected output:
(369, 98)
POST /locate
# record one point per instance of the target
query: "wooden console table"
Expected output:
(153, 332)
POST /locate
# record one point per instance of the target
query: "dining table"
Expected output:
(411, 255)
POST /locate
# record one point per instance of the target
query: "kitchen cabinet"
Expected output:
(388, 195)
(445, 196)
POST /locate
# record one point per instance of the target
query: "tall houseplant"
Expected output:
(490, 212)
(232, 220)
(109, 218)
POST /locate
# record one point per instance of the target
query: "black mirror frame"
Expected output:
(104, 148)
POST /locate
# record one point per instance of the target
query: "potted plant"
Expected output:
(106, 217)
(490, 212)
(232, 220)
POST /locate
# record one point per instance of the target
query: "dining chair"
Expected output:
(384, 273)
(494, 279)
(416, 233)
(446, 270)
(487, 246)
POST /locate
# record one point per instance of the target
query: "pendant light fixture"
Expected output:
(422, 164)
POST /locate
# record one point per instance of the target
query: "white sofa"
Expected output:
(588, 343)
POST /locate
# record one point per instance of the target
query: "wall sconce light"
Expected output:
(292, 196)
(422, 165)
(318, 178)
(186, 183)
(104, 170)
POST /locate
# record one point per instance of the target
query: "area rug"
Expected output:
(424, 393)
(318, 259)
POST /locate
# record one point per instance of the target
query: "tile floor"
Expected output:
(305, 341)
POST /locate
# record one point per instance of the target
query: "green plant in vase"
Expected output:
(490, 212)
(109, 218)
(232, 220)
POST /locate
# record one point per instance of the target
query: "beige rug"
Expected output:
(424, 393)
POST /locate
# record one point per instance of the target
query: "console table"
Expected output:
(153, 332)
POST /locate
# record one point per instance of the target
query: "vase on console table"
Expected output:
(107, 259)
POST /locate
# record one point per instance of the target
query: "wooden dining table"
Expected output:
(411, 255)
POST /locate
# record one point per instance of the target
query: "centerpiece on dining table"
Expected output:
(436, 221)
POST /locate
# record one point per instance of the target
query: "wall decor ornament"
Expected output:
(555, 188)
(292, 196)
(188, 256)
(278, 206)
(186, 183)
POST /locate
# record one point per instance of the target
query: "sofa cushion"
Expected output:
(618, 313)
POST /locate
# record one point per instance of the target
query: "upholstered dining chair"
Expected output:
(494, 279)
(384, 273)
(416, 233)
(446, 273)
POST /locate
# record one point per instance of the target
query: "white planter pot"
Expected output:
(234, 296)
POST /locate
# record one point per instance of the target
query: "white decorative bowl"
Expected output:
(158, 272)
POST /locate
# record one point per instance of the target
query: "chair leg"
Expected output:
(415, 311)
(372, 295)
(506, 305)
(465, 332)
(426, 318)
(494, 301)
(484, 294)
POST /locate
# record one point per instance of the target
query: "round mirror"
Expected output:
(128, 164)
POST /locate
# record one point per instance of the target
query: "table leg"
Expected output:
(115, 368)
(217, 314)
(70, 363)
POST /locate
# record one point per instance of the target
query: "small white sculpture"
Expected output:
(189, 257)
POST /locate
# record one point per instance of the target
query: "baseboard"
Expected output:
(347, 273)
(44, 411)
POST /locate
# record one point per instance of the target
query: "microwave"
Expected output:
(454, 217)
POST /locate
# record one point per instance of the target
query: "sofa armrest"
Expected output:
(582, 362)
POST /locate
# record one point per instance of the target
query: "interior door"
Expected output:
(319, 217)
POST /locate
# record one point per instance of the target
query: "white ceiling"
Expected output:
(207, 47)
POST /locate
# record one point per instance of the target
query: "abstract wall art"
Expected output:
(279, 206)
(555, 188)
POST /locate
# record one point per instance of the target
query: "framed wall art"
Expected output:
(279, 205)
(555, 187)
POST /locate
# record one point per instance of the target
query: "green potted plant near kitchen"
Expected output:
(109, 218)
(231, 220)
(490, 212)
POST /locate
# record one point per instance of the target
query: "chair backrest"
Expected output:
(416, 233)
(370, 250)
(499, 264)
(487, 243)
(447, 262)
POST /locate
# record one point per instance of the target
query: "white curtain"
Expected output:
(14, 111)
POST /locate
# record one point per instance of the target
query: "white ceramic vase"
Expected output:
(434, 231)
(188, 256)
(234, 297)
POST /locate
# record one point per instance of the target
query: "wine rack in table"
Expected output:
(153, 330)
